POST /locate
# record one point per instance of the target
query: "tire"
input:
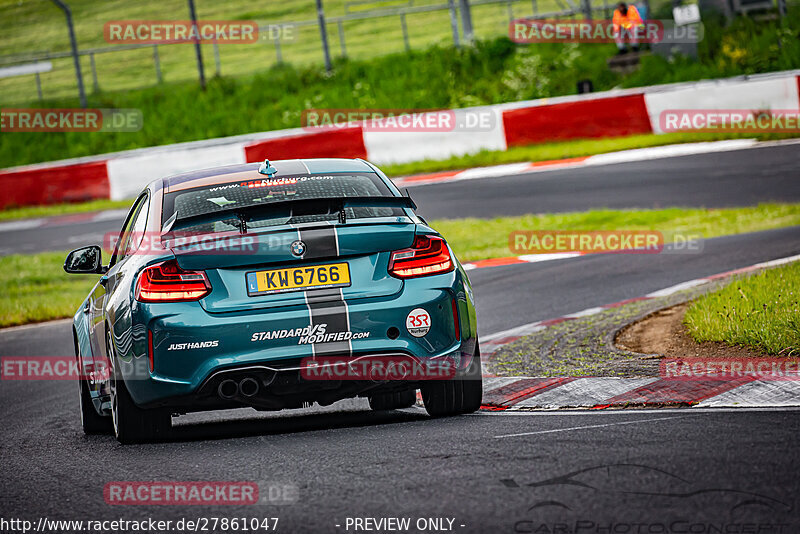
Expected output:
(460, 395)
(91, 421)
(131, 423)
(393, 401)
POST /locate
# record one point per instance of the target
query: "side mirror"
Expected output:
(86, 260)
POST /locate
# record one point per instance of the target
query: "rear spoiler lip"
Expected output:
(313, 205)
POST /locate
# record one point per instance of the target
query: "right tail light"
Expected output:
(428, 255)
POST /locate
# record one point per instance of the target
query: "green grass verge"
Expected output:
(36, 288)
(439, 76)
(30, 212)
(760, 311)
(476, 239)
(30, 27)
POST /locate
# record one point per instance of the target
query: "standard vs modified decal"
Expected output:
(310, 334)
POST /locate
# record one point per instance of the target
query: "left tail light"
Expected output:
(428, 255)
(167, 282)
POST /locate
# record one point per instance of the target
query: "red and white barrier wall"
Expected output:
(606, 114)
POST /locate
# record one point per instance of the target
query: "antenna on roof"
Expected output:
(268, 169)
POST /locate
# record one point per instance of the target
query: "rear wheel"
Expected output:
(460, 395)
(131, 423)
(91, 421)
(393, 401)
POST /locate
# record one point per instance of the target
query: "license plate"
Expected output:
(298, 279)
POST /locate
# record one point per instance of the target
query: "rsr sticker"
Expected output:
(418, 322)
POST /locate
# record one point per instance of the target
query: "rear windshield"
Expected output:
(208, 199)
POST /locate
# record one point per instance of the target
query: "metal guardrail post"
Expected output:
(74, 45)
(95, 85)
(405, 32)
(323, 33)
(341, 38)
(39, 86)
(217, 63)
(197, 50)
(278, 55)
(466, 22)
(454, 22)
(157, 61)
(587, 9)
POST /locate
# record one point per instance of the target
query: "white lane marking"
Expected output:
(677, 287)
(608, 158)
(536, 258)
(779, 261)
(86, 238)
(109, 215)
(527, 258)
(586, 427)
(669, 151)
(585, 313)
(55, 322)
(25, 224)
(525, 329)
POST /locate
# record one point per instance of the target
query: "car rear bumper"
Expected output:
(276, 386)
(192, 348)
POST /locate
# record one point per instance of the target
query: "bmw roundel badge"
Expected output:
(298, 248)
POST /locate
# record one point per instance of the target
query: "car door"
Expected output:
(106, 285)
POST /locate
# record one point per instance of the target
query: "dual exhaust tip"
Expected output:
(230, 389)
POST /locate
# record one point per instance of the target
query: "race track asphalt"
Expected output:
(736, 178)
(663, 470)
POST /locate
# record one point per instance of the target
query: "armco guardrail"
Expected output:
(611, 113)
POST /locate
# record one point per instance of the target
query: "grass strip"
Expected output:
(477, 239)
(760, 311)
